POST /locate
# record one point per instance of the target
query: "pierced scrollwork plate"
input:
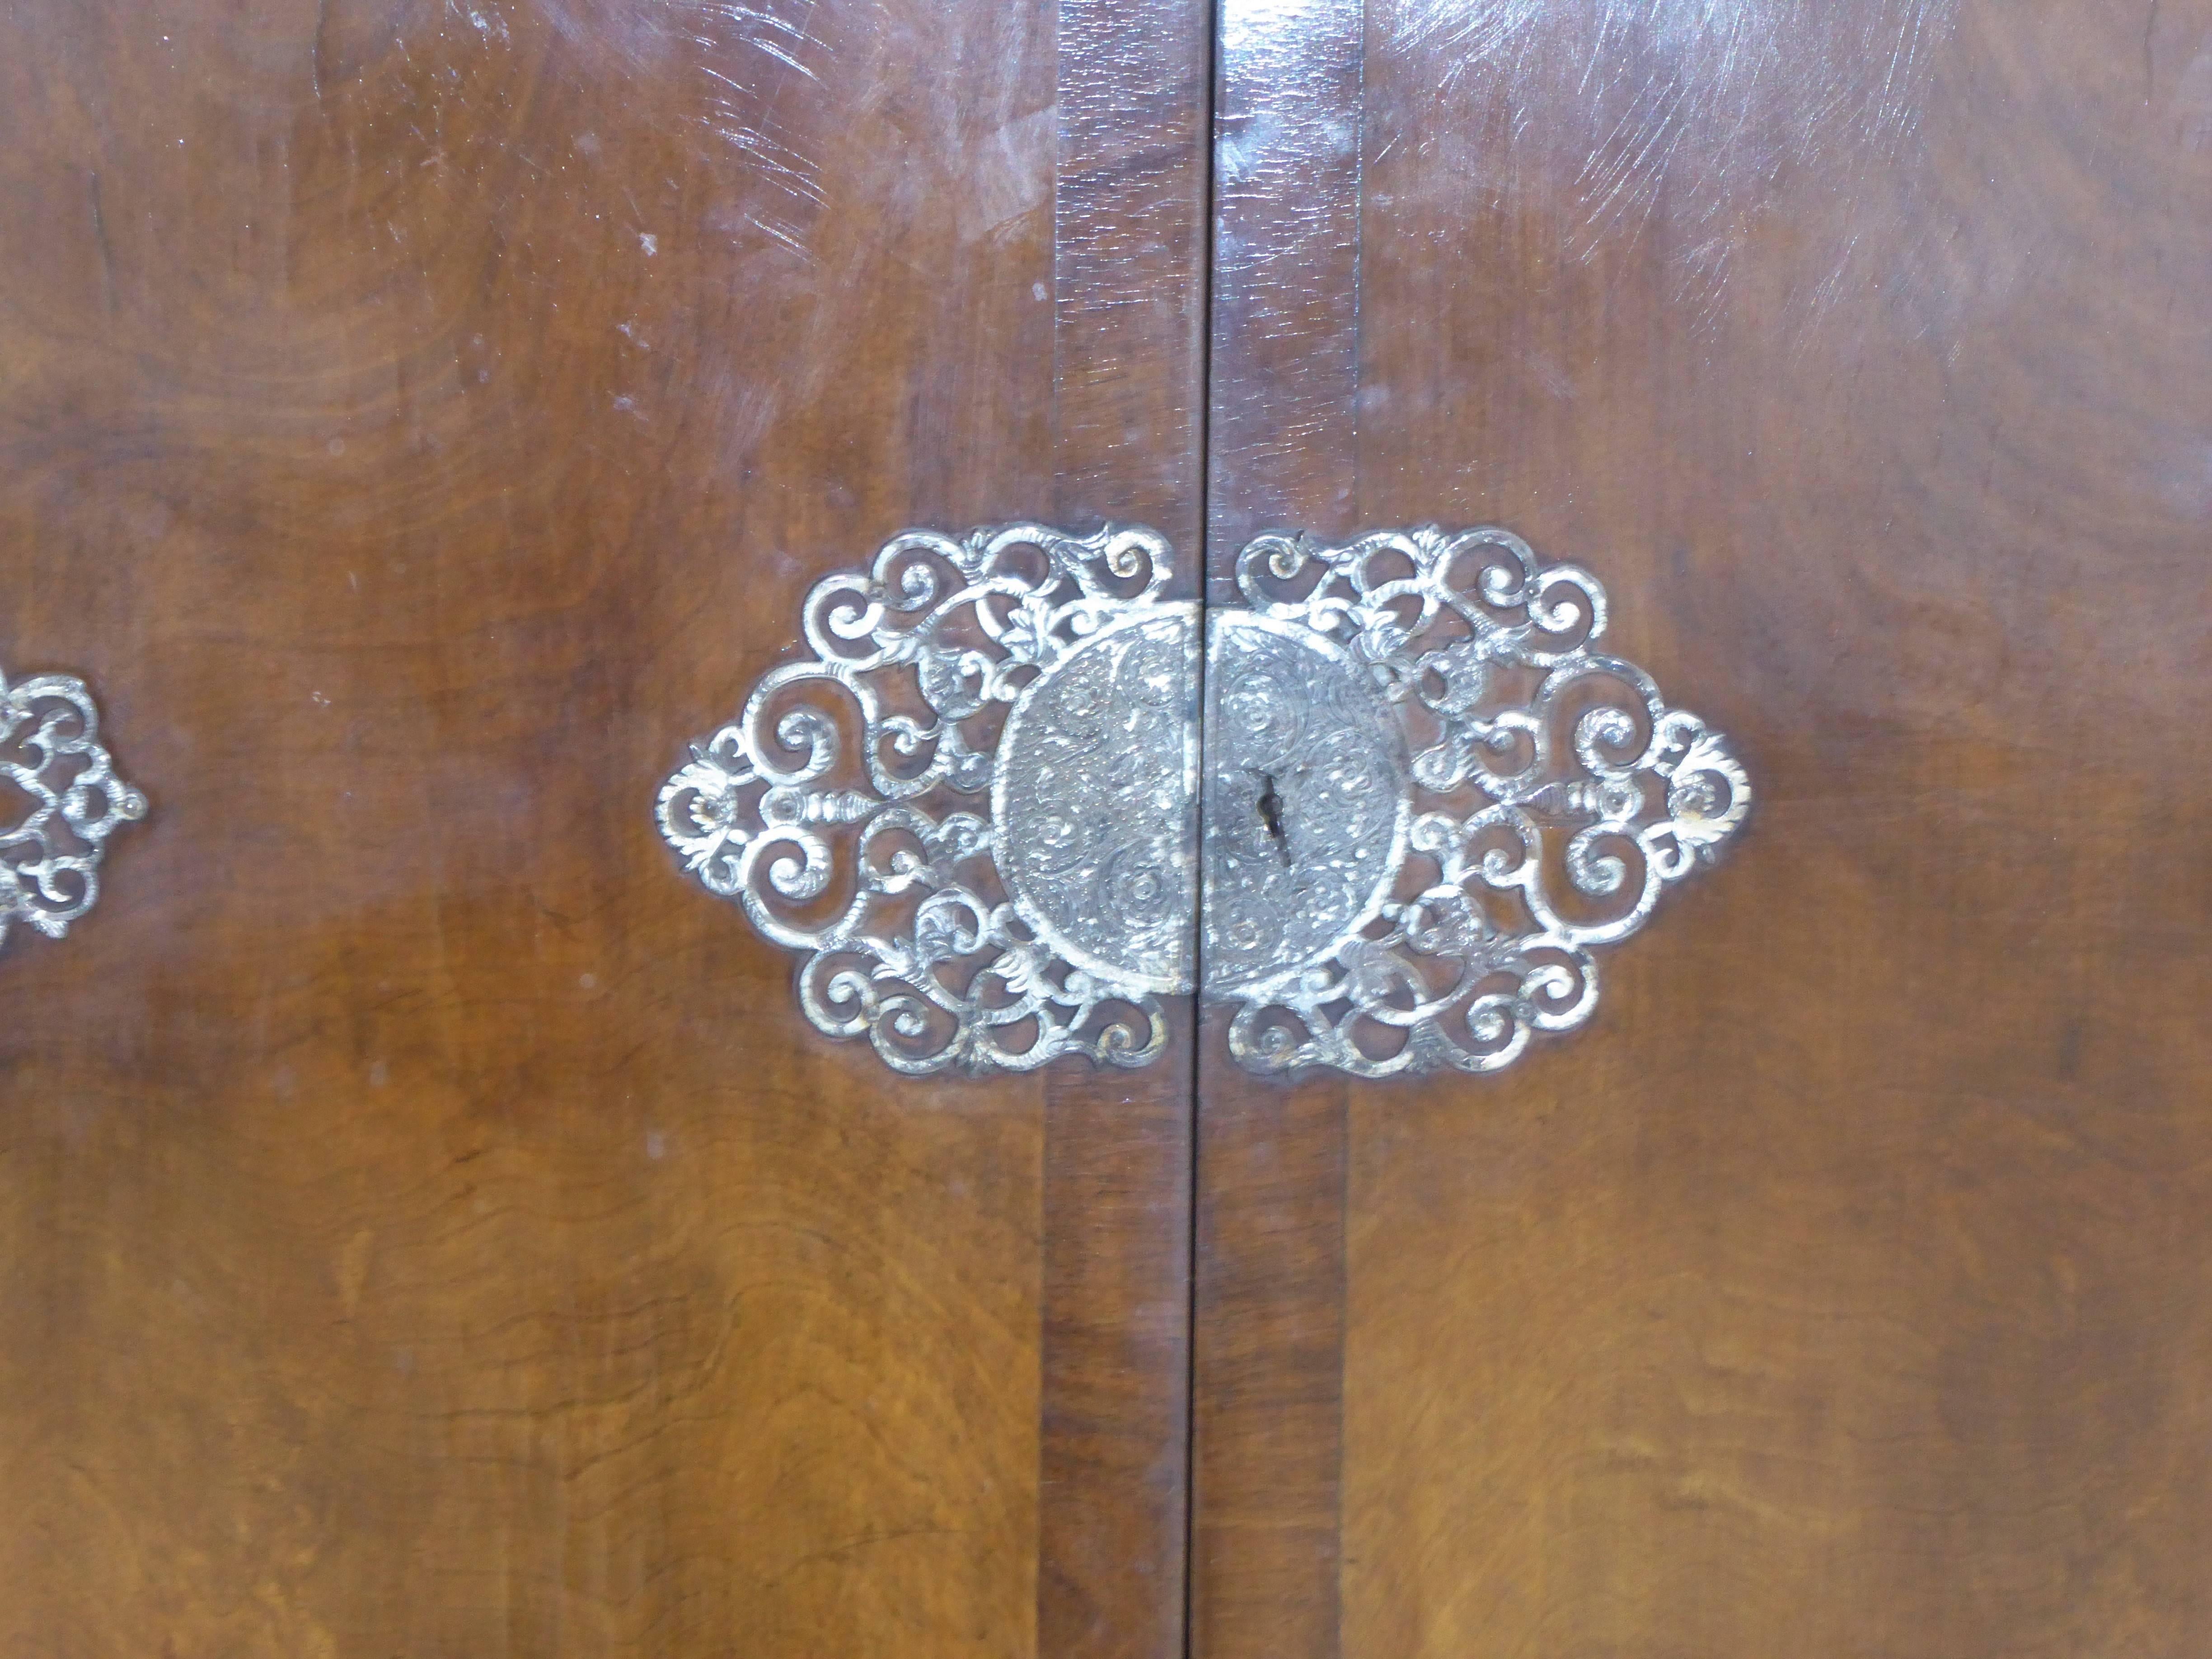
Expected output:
(1427, 797)
(972, 807)
(1430, 797)
(60, 800)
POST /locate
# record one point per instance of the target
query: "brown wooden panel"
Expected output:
(1129, 251)
(1281, 452)
(1842, 1289)
(429, 1226)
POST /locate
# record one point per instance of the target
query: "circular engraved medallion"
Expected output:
(1095, 800)
(1307, 799)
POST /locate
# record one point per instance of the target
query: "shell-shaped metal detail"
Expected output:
(1426, 796)
(60, 801)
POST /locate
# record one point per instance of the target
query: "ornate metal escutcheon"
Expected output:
(60, 801)
(990, 812)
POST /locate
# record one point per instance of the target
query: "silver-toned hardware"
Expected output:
(71, 802)
(1427, 797)
(1470, 797)
(981, 828)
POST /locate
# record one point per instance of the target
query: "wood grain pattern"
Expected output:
(427, 1226)
(1842, 1290)
(1282, 453)
(1129, 250)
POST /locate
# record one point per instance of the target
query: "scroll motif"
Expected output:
(1550, 795)
(971, 807)
(1428, 798)
(70, 800)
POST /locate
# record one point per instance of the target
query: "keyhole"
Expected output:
(1271, 814)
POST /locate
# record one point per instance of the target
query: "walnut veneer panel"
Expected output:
(426, 1225)
(1842, 1288)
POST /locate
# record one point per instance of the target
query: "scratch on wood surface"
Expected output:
(1697, 106)
(742, 109)
(99, 237)
(745, 55)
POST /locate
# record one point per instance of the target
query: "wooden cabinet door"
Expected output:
(426, 1225)
(1843, 1289)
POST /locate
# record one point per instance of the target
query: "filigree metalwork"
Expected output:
(980, 830)
(70, 800)
(1547, 796)
(1427, 798)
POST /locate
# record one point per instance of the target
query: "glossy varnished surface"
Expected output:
(1840, 1289)
(1269, 1293)
(426, 1225)
(1129, 251)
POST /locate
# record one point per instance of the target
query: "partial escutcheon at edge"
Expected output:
(67, 800)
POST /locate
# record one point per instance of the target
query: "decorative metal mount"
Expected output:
(1468, 797)
(977, 807)
(982, 843)
(70, 798)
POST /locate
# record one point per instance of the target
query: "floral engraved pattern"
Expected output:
(1096, 801)
(60, 801)
(852, 807)
(1294, 719)
(1550, 795)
